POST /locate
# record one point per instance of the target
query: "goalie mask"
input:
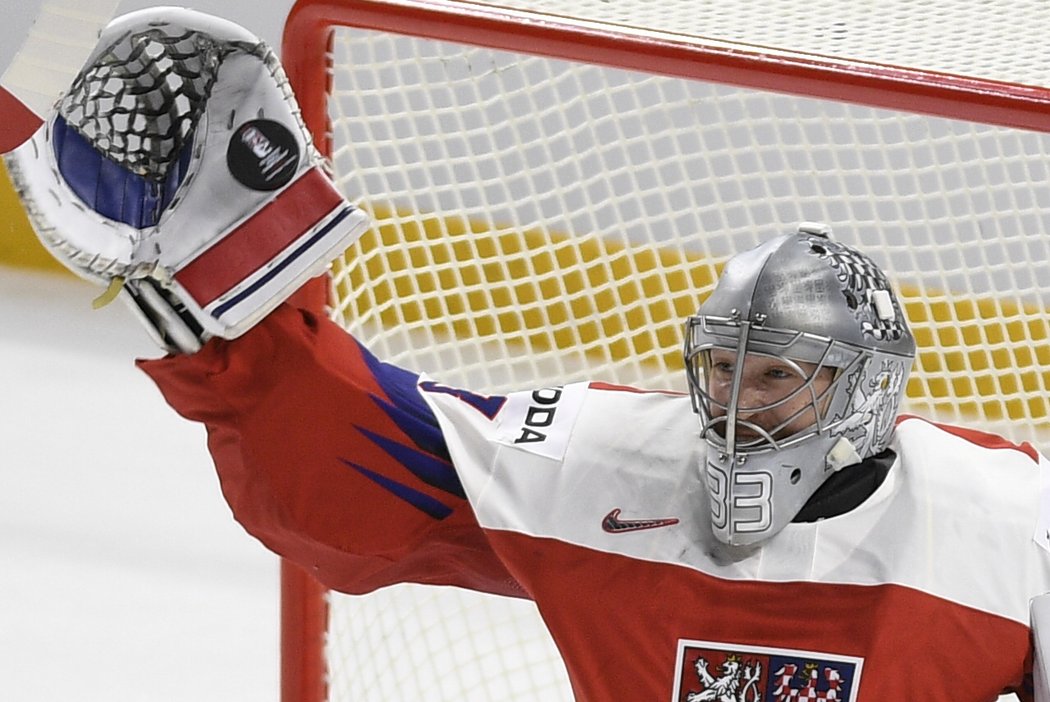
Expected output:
(797, 364)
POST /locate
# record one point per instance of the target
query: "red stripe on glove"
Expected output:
(259, 239)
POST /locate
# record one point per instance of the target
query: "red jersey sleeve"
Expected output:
(331, 458)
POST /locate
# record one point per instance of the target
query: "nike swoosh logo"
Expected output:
(614, 525)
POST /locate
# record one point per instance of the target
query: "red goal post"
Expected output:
(955, 154)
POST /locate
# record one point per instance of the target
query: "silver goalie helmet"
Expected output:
(797, 365)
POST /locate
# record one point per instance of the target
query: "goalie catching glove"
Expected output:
(177, 167)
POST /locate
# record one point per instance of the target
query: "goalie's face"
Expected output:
(766, 420)
(776, 397)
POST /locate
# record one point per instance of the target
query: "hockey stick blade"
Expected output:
(62, 36)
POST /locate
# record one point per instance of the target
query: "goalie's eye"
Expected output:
(722, 368)
(782, 373)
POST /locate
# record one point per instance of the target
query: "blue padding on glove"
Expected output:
(109, 188)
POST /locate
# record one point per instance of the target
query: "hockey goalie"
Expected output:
(778, 533)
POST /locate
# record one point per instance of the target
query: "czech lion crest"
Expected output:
(725, 672)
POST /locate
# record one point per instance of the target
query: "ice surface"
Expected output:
(123, 575)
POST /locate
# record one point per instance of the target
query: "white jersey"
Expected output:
(594, 498)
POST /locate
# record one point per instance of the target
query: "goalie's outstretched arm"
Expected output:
(177, 172)
(331, 458)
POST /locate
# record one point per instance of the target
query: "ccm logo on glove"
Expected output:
(262, 155)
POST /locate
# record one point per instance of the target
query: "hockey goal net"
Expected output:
(555, 184)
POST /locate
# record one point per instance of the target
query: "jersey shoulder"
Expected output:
(976, 477)
(950, 441)
(966, 439)
(543, 421)
(548, 433)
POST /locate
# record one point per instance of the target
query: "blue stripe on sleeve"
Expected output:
(424, 503)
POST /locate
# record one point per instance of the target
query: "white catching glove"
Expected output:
(177, 166)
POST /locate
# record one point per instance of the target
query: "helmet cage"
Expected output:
(720, 421)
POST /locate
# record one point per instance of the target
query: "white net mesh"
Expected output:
(564, 218)
(411, 642)
(539, 220)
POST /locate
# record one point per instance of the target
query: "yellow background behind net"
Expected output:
(463, 281)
